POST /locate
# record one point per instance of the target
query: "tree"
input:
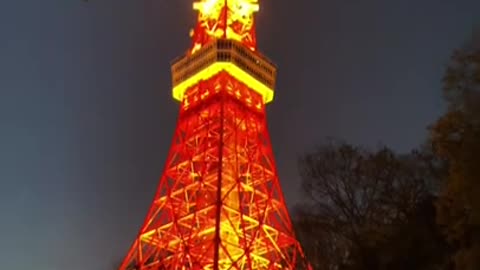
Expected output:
(456, 139)
(363, 209)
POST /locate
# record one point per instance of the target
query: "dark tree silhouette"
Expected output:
(456, 139)
(364, 209)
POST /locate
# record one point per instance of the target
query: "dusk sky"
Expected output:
(87, 117)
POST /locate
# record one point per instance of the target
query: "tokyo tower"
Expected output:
(219, 204)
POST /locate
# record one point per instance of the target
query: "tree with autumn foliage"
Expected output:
(455, 138)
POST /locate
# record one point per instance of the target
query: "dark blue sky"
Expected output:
(87, 118)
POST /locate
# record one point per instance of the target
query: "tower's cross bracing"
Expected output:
(219, 204)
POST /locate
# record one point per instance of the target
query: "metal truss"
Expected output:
(219, 204)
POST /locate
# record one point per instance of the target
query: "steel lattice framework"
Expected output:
(219, 204)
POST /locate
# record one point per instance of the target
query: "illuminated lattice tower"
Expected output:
(219, 204)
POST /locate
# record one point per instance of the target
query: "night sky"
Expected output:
(87, 118)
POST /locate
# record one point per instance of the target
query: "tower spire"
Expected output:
(228, 19)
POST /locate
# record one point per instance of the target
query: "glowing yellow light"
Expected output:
(208, 7)
(230, 68)
(243, 7)
(213, 7)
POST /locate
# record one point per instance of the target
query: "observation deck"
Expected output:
(245, 65)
